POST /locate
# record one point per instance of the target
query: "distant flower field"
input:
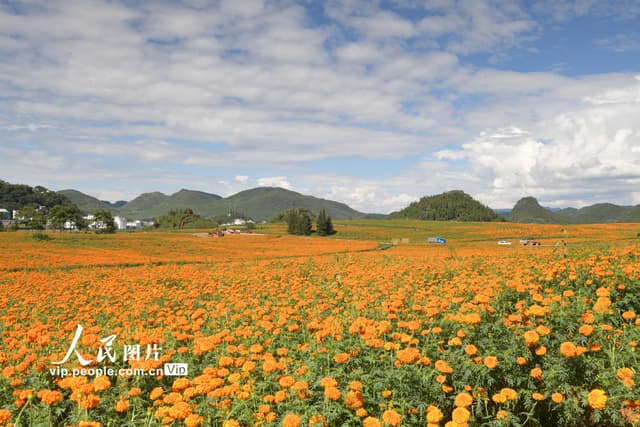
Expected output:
(288, 331)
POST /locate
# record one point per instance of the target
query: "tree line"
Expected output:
(300, 222)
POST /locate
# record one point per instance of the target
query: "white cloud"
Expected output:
(274, 181)
(590, 153)
(242, 179)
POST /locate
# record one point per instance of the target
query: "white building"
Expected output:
(121, 222)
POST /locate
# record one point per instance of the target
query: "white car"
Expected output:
(504, 243)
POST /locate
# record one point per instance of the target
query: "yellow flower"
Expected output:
(597, 399)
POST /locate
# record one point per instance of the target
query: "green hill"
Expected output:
(86, 203)
(262, 203)
(153, 205)
(453, 205)
(16, 196)
(528, 210)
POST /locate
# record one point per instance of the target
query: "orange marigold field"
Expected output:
(287, 331)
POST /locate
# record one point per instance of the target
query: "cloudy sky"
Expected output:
(372, 103)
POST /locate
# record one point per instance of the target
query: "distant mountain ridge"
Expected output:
(528, 210)
(261, 203)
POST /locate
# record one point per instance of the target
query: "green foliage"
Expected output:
(16, 196)
(299, 221)
(450, 206)
(104, 222)
(33, 217)
(60, 214)
(41, 236)
(324, 226)
(184, 218)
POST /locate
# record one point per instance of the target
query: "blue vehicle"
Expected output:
(438, 240)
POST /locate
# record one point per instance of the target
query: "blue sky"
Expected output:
(374, 104)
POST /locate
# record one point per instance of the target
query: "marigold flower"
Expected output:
(391, 417)
(470, 349)
(521, 360)
(332, 393)
(626, 376)
(491, 362)
(434, 415)
(536, 374)
(597, 399)
(193, 420)
(291, 420)
(585, 330)
(509, 393)
(371, 422)
(386, 393)
(122, 405)
(499, 398)
(4, 415)
(557, 397)
(156, 393)
(408, 355)
(443, 367)
(541, 351)
(328, 382)
(341, 357)
(531, 338)
(463, 400)
(502, 415)
(461, 415)
(361, 412)
(568, 349)
(537, 396)
(286, 382)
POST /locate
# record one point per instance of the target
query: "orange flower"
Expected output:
(371, 422)
(541, 351)
(626, 376)
(531, 338)
(193, 420)
(122, 405)
(443, 367)
(408, 355)
(491, 362)
(471, 349)
(461, 415)
(597, 399)
(341, 357)
(502, 415)
(536, 374)
(585, 330)
(557, 397)
(4, 415)
(332, 393)
(286, 382)
(509, 393)
(434, 415)
(568, 349)
(291, 420)
(391, 417)
(463, 400)
(537, 396)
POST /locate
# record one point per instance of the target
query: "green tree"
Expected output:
(299, 221)
(324, 226)
(103, 221)
(32, 217)
(60, 214)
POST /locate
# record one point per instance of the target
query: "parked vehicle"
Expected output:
(438, 240)
(504, 243)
